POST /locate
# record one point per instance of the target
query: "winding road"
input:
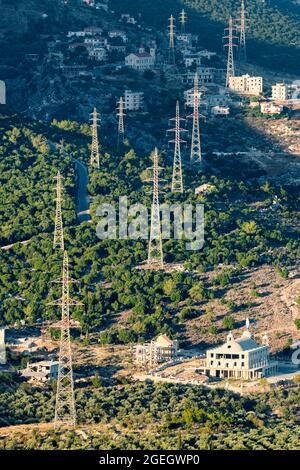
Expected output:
(82, 198)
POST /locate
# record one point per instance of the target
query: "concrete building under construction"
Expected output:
(158, 351)
(41, 372)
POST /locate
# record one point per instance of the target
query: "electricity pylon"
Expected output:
(95, 142)
(230, 59)
(196, 153)
(242, 39)
(183, 20)
(65, 413)
(171, 41)
(58, 241)
(120, 115)
(155, 251)
(177, 182)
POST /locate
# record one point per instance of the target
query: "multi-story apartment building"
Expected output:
(247, 85)
(133, 100)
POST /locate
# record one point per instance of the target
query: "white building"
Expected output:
(133, 101)
(89, 31)
(207, 54)
(221, 99)
(161, 350)
(101, 6)
(2, 346)
(184, 39)
(128, 18)
(206, 75)
(41, 372)
(220, 110)
(280, 92)
(2, 92)
(268, 107)
(98, 53)
(247, 85)
(141, 61)
(95, 41)
(117, 33)
(189, 97)
(192, 59)
(239, 359)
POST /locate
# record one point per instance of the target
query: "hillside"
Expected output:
(273, 27)
(246, 273)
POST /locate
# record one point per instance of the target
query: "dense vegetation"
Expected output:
(144, 416)
(237, 232)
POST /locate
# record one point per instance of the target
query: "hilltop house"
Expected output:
(239, 358)
(141, 61)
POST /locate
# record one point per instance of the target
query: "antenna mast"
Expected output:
(177, 183)
(230, 60)
(155, 251)
(196, 154)
(58, 241)
(242, 42)
(95, 142)
(65, 413)
(171, 41)
(121, 115)
(183, 20)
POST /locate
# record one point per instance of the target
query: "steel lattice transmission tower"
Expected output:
(65, 413)
(242, 39)
(196, 153)
(58, 241)
(230, 60)
(95, 142)
(155, 251)
(183, 20)
(177, 181)
(121, 116)
(171, 41)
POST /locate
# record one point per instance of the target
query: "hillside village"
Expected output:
(97, 96)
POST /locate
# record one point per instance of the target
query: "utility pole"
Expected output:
(65, 413)
(196, 154)
(242, 39)
(58, 241)
(171, 41)
(230, 60)
(120, 115)
(177, 183)
(95, 142)
(155, 251)
(183, 20)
